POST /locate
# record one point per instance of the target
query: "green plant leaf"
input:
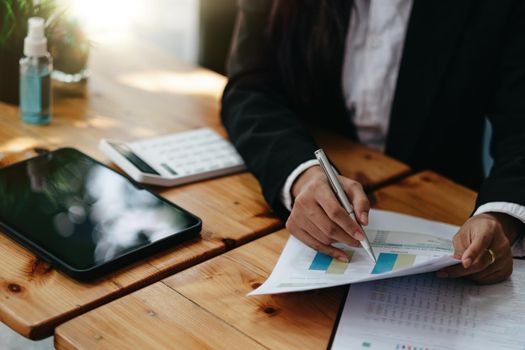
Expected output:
(8, 22)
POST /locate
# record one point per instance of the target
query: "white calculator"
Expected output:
(175, 159)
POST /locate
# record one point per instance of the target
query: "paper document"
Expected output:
(403, 244)
(428, 313)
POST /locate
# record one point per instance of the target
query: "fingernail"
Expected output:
(467, 262)
(364, 219)
(343, 258)
(360, 235)
(442, 274)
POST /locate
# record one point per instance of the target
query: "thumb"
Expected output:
(480, 243)
(460, 242)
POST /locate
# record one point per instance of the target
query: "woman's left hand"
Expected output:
(473, 244)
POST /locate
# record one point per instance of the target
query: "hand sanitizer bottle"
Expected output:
(35, 76)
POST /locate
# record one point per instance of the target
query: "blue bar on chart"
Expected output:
(387, 262)
(321, 262)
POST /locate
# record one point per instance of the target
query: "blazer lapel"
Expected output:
(434, 31)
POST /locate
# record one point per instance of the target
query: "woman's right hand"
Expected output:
(317, 217)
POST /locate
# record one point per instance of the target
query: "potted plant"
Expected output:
(69, 47)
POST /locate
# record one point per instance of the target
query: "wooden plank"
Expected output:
(219, 286)
(370, 168)
(428, 195)
(13, 142)
(8, 158)
(282, 319)
(194, 329)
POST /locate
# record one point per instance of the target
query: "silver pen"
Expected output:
(341, 195)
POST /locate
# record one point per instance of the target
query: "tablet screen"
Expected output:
(82, 212)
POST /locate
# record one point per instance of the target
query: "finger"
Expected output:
(484, 259)
(313, 243)
(460, 241)
(495, 277)
(450, 272)
(502, 267)
(330, 229)
(480, 242)
(314, 221)
(485, 272)
(336, 213)
(359, 200)
(459, 270)
(309, 222)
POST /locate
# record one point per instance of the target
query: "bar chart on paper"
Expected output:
(387, 262)
(403, 245)
(323, 262)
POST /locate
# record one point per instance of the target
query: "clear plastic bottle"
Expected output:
(35, 76)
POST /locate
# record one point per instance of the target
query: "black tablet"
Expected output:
(85, 218)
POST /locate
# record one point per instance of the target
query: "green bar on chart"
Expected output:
(403, 261)
(338, 267)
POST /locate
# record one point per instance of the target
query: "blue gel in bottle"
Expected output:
(35, 76)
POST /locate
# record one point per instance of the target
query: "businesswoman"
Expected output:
(412, 78)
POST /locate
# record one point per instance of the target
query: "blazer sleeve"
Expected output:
(506, 181)
(261, 122)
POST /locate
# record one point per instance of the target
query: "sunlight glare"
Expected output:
(18, 144)
(103, 19)
(191, 83)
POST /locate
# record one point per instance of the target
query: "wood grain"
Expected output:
(139, 98)
(428, 195)
(359, 162)
(36, 297)
(148, 315)
(280, 320)
(13, 141)
(219, 286)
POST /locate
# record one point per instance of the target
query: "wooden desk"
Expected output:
(130, 97)
(158, 316)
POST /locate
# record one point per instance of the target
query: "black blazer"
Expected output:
(463, 60)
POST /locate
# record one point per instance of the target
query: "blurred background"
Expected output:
(193, 31)
(196, 31)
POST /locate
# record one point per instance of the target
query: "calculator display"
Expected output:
(127, 153)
